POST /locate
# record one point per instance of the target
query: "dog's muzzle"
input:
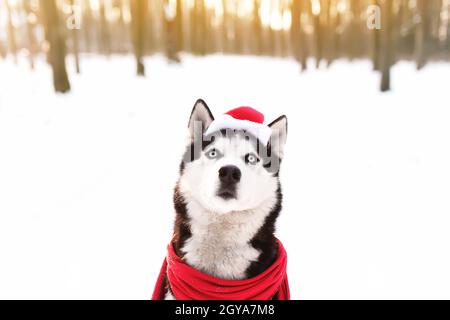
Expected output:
(229, 177)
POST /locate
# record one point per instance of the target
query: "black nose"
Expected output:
(229, 174)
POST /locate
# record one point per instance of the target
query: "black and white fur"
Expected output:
(225, 218)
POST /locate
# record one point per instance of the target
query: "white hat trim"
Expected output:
(225, 121)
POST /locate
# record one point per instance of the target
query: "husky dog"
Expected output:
(227, 199)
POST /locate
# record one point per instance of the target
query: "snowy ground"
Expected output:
(86, 178)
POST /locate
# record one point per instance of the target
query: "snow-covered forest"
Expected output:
(382, 31)
(87, 173)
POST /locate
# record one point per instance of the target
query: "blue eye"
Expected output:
(251, 158)
(213, 154)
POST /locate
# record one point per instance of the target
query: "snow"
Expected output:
(86, 178)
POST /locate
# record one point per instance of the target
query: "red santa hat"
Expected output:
(242, 118)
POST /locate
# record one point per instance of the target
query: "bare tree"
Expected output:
(57, 46)
(303, 51)
(105, 38)
(386, 41)
(88, 27)
(138, 10)
(257, 28)
(74, 35)
(420, 47)
(32, 45)
(376, 43)
(173, 21)
(416, 30)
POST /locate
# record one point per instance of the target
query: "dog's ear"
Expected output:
(201, 118)
(279, 135)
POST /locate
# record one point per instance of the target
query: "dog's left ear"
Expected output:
(278, 137)
(201, 118)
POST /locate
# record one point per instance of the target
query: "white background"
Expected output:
(86, 178)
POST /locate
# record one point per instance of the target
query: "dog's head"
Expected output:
(230, 170)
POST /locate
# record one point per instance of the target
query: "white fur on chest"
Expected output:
(219, 245)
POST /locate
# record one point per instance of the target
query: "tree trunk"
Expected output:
(138, 13)
(318, 36)
(421, 32)
(257, 29)
(295, 29)
(386, 38)
(198, 27)
(88, 26)
(303, 43)
(104, 30)
(225, 38)
(75, 42)
(332, 38)
(57, 51)
(172, 22)
(376, 43)
(30, 32)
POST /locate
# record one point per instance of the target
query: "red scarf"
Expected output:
(188, 283)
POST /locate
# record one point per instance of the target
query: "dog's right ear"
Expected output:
(201, 118)
(279, 135)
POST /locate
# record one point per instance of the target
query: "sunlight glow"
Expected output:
(342, 6)
(13, 3)
(190, 3)
(115, 14)
(245, 8)
(315, 6)
(273, 14)
(126, 14)
(170, 9)
(287, 20)
(264, 12)
(218, 9)
(32, 18)
(213, 4)
(95, 4)
(445, 16)
(276, 22)
(412, 4)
